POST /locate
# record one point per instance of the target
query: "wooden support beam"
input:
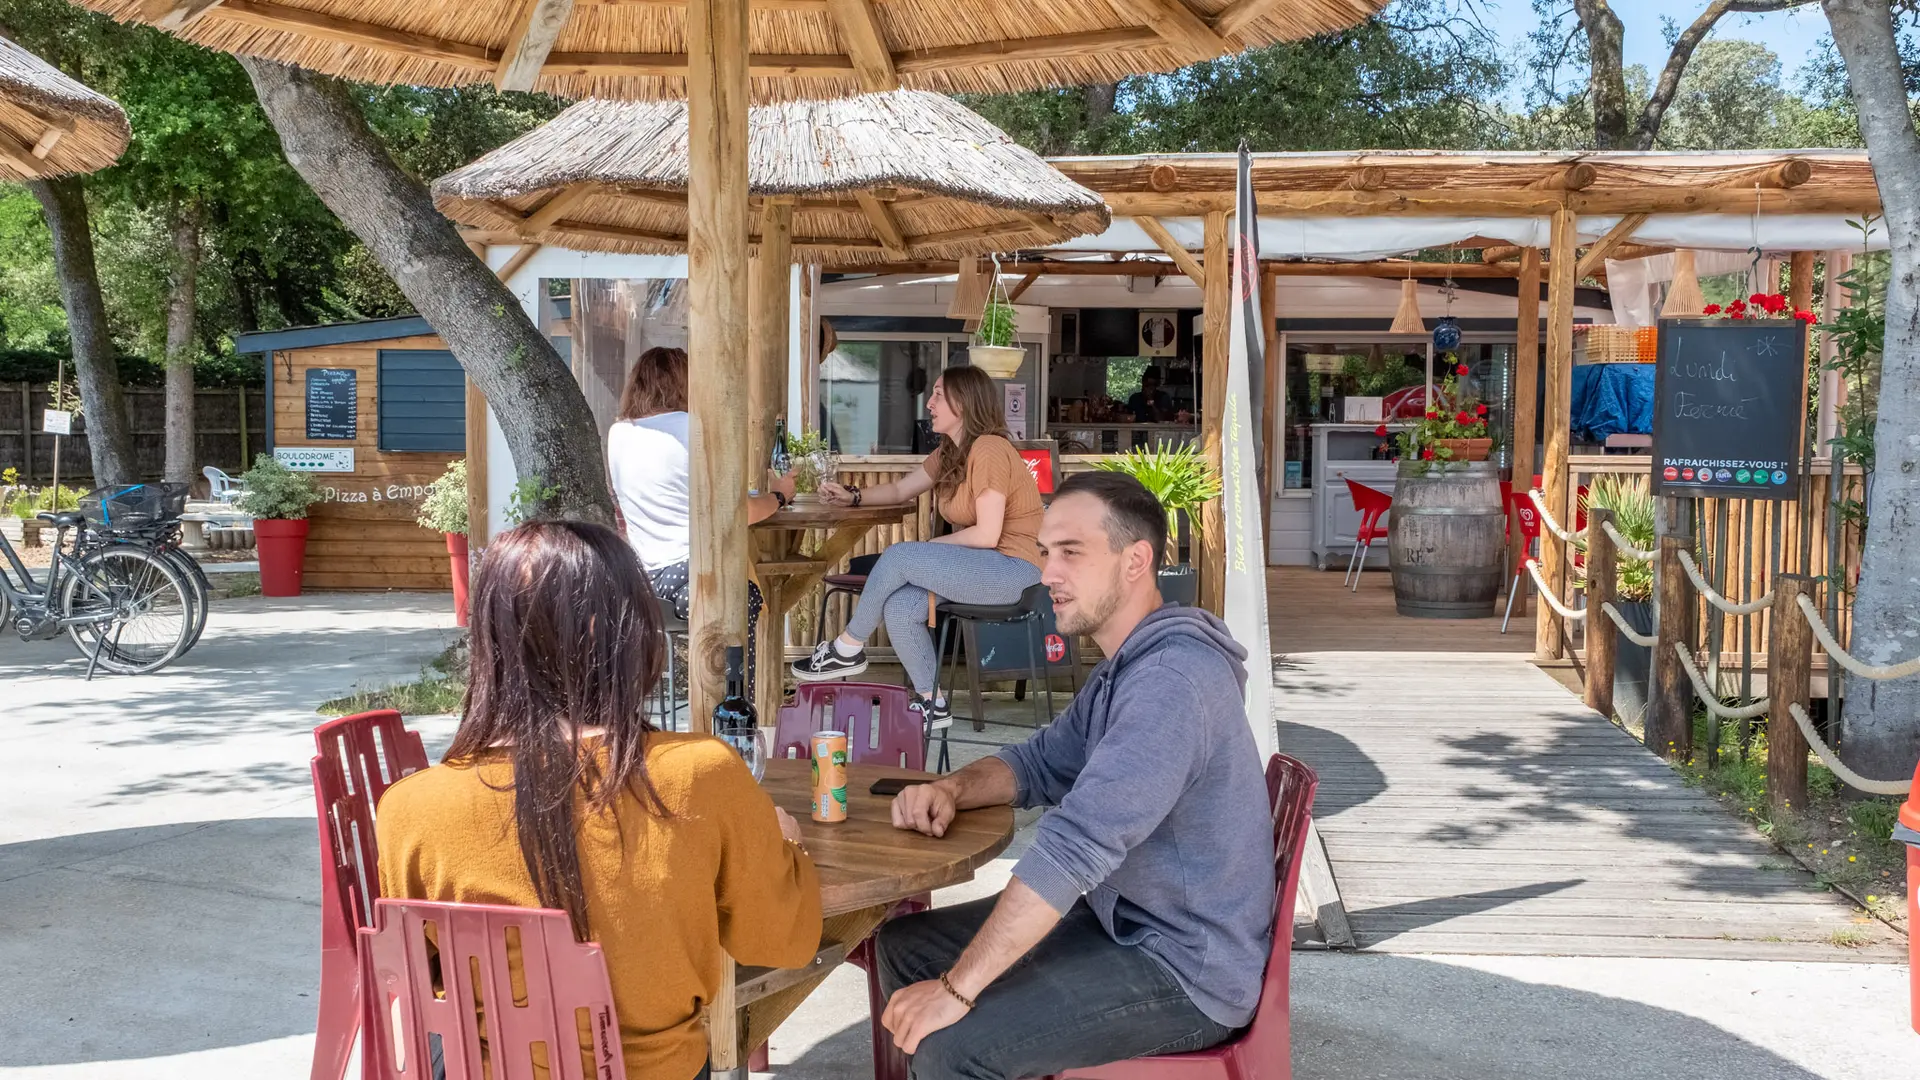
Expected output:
(1598, 253)
(1366, 178)
(1800, 281)
(269, 16)
(1179, 25)
(801, 7)
(50, 138)
(769, 322)
(19, 155)
(513, 265)
(1014, 294)
(1386, 268)
(1558, 419)
(866, 45)
(1051, 47)
(674, 65)
(1492, 203)
(1181, 257)
(174, 15)
(1669, 727)
(554, 208)
(535, 28)
(893, 239)
(1789, 682)
(1526, 391)
(953, 236)
(1240, 13)
(1215, 313)
(1602, 636)
(1790, 173)
(1578, 176)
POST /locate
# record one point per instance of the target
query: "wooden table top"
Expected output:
(820, 515)
(864, 860)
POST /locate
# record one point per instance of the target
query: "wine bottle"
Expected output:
(782, 460)
(734, 710)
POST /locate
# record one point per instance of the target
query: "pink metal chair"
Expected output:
(359, 757)
(1372, 504)
(1264, 1050)
(881, 729)
(553, 1002)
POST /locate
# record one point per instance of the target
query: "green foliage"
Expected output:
(431, 132)
(529, 496)
(1454, 414)
(996, 324)
(813, 460)
(275, 491)
(444, 510)
(1177, 476)
(1631, 501)
(1858, 333)
(25, 502)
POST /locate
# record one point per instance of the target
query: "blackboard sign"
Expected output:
(333, 403)
(1729, 408)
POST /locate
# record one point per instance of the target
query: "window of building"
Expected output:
(423, 401)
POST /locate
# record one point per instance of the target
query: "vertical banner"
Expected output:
(1246, 561)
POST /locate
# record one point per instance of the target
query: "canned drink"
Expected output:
(829, 776)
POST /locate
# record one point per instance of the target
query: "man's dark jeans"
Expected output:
(1078, 998)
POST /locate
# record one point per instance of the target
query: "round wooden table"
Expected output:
(864, 861)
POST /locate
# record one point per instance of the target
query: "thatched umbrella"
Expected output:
(51, 125)
(799, 48)
(909, 174)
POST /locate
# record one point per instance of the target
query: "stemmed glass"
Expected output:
(750, 743)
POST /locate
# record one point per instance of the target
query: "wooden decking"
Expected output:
(1470, 804)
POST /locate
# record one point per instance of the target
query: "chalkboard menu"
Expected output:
(1729, 408)
(333, 403)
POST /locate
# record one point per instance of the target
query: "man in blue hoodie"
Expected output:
(1140, 919)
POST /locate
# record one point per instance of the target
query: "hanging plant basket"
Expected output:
(995, 349)
(999, 361)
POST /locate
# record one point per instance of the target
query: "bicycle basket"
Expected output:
(134, 506)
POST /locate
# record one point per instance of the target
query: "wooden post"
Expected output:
(717, 335)
(1558, 422)
(1602, 644)
(246, 458)
(1789, 682)
(1275, 414)
(770, 286)
(1669, 729)
(26, 433)
(1218, 301)
(1526, 391)
(478, 531)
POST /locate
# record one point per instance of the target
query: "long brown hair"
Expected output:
(657, 383)
(969, 392)
(566, 636)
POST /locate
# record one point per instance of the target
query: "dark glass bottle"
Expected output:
(735, 712)
(782, 460)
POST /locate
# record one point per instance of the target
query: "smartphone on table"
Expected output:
(892, 785)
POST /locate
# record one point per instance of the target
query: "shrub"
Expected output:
(276, 492)
(445, 507)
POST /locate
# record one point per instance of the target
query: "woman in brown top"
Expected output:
(558, 793)
(983, 489)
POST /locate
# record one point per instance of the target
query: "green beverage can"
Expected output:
(829, 775)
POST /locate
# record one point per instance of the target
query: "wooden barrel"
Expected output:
(1447, 540)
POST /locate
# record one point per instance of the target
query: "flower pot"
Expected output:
(1467, 449)
(999, 361)
(1632, 664)
(1180, 585)
(283, 552)
(457, 561)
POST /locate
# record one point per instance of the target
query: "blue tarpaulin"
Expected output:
(1612, 399)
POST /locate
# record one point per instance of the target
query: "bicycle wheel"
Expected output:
(150, 605)
(197, 584)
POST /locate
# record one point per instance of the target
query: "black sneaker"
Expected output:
(827, 663)
(936, 715)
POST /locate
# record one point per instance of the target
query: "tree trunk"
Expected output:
(549, 429)
(1883, 718)
(109, 435)
(182, 344)
(1606, 75)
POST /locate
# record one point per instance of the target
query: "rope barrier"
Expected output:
(1712, 700)
(1760, 603)
(1547, 597)
(1645, 641)
(1846, 659)
(1832, 760)
(1626, 550)
(1546, 518)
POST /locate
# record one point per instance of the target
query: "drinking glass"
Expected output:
(751, 744)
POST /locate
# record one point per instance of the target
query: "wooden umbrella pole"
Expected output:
(1558, 419)
(717, 342)
(772, 284)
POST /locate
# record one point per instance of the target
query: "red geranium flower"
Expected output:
(1460, 370)
(1735, 315)
(1426, 454)
(1381, 430)
(1758, 299)
(1462, 418)
(1736, 305)
(1807, 317)
(1480, 409)
(1711, 309)
(1433, 414)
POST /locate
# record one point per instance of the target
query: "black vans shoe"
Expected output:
(938, 717)
(827, 663)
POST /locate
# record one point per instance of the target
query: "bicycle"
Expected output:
(147, 517)
(128, 610)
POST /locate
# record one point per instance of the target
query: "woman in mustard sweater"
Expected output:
(558, 793)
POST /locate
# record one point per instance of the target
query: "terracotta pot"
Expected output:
(283, 554)
(1467, 449)
(457, 561)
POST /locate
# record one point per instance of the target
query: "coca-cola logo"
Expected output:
(1056, 648)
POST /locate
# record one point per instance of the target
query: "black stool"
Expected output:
(671, 626)
(848, 585)
(1027, 610)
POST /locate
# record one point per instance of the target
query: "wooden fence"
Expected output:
(229, 429)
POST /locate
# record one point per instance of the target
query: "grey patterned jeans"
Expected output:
(897, 591)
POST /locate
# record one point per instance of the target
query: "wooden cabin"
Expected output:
(375, 410)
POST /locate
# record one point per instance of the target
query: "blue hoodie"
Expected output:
(1161, 818)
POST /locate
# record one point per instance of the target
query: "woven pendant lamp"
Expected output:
(969, 292)
(1407, 320)
(1683, 296)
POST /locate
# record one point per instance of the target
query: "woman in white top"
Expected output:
(647, 460)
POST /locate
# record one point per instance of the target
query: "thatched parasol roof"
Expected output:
(51, 125)
(881, 176)
(800, 48)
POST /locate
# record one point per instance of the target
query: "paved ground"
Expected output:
(158, 912)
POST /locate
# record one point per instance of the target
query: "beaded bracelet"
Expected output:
(957, 995)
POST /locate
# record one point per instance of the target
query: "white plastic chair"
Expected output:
(224, 488)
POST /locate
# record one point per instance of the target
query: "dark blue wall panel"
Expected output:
(423, 401)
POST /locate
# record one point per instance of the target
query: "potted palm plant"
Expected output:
(995, 349)
(445, 511)
(1633, 515)
(277, 498)
(1183, 481)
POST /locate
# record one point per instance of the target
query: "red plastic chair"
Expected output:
(359, 757)
(558, 980)
(881, 729)
(1372, 503)
(1521, 505)
(1264, 1051)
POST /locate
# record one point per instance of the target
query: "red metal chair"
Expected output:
(554, 995)
(1521, 505)
(359, 757)
(1264, 1051)
(1372, 503)
(881, 729)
